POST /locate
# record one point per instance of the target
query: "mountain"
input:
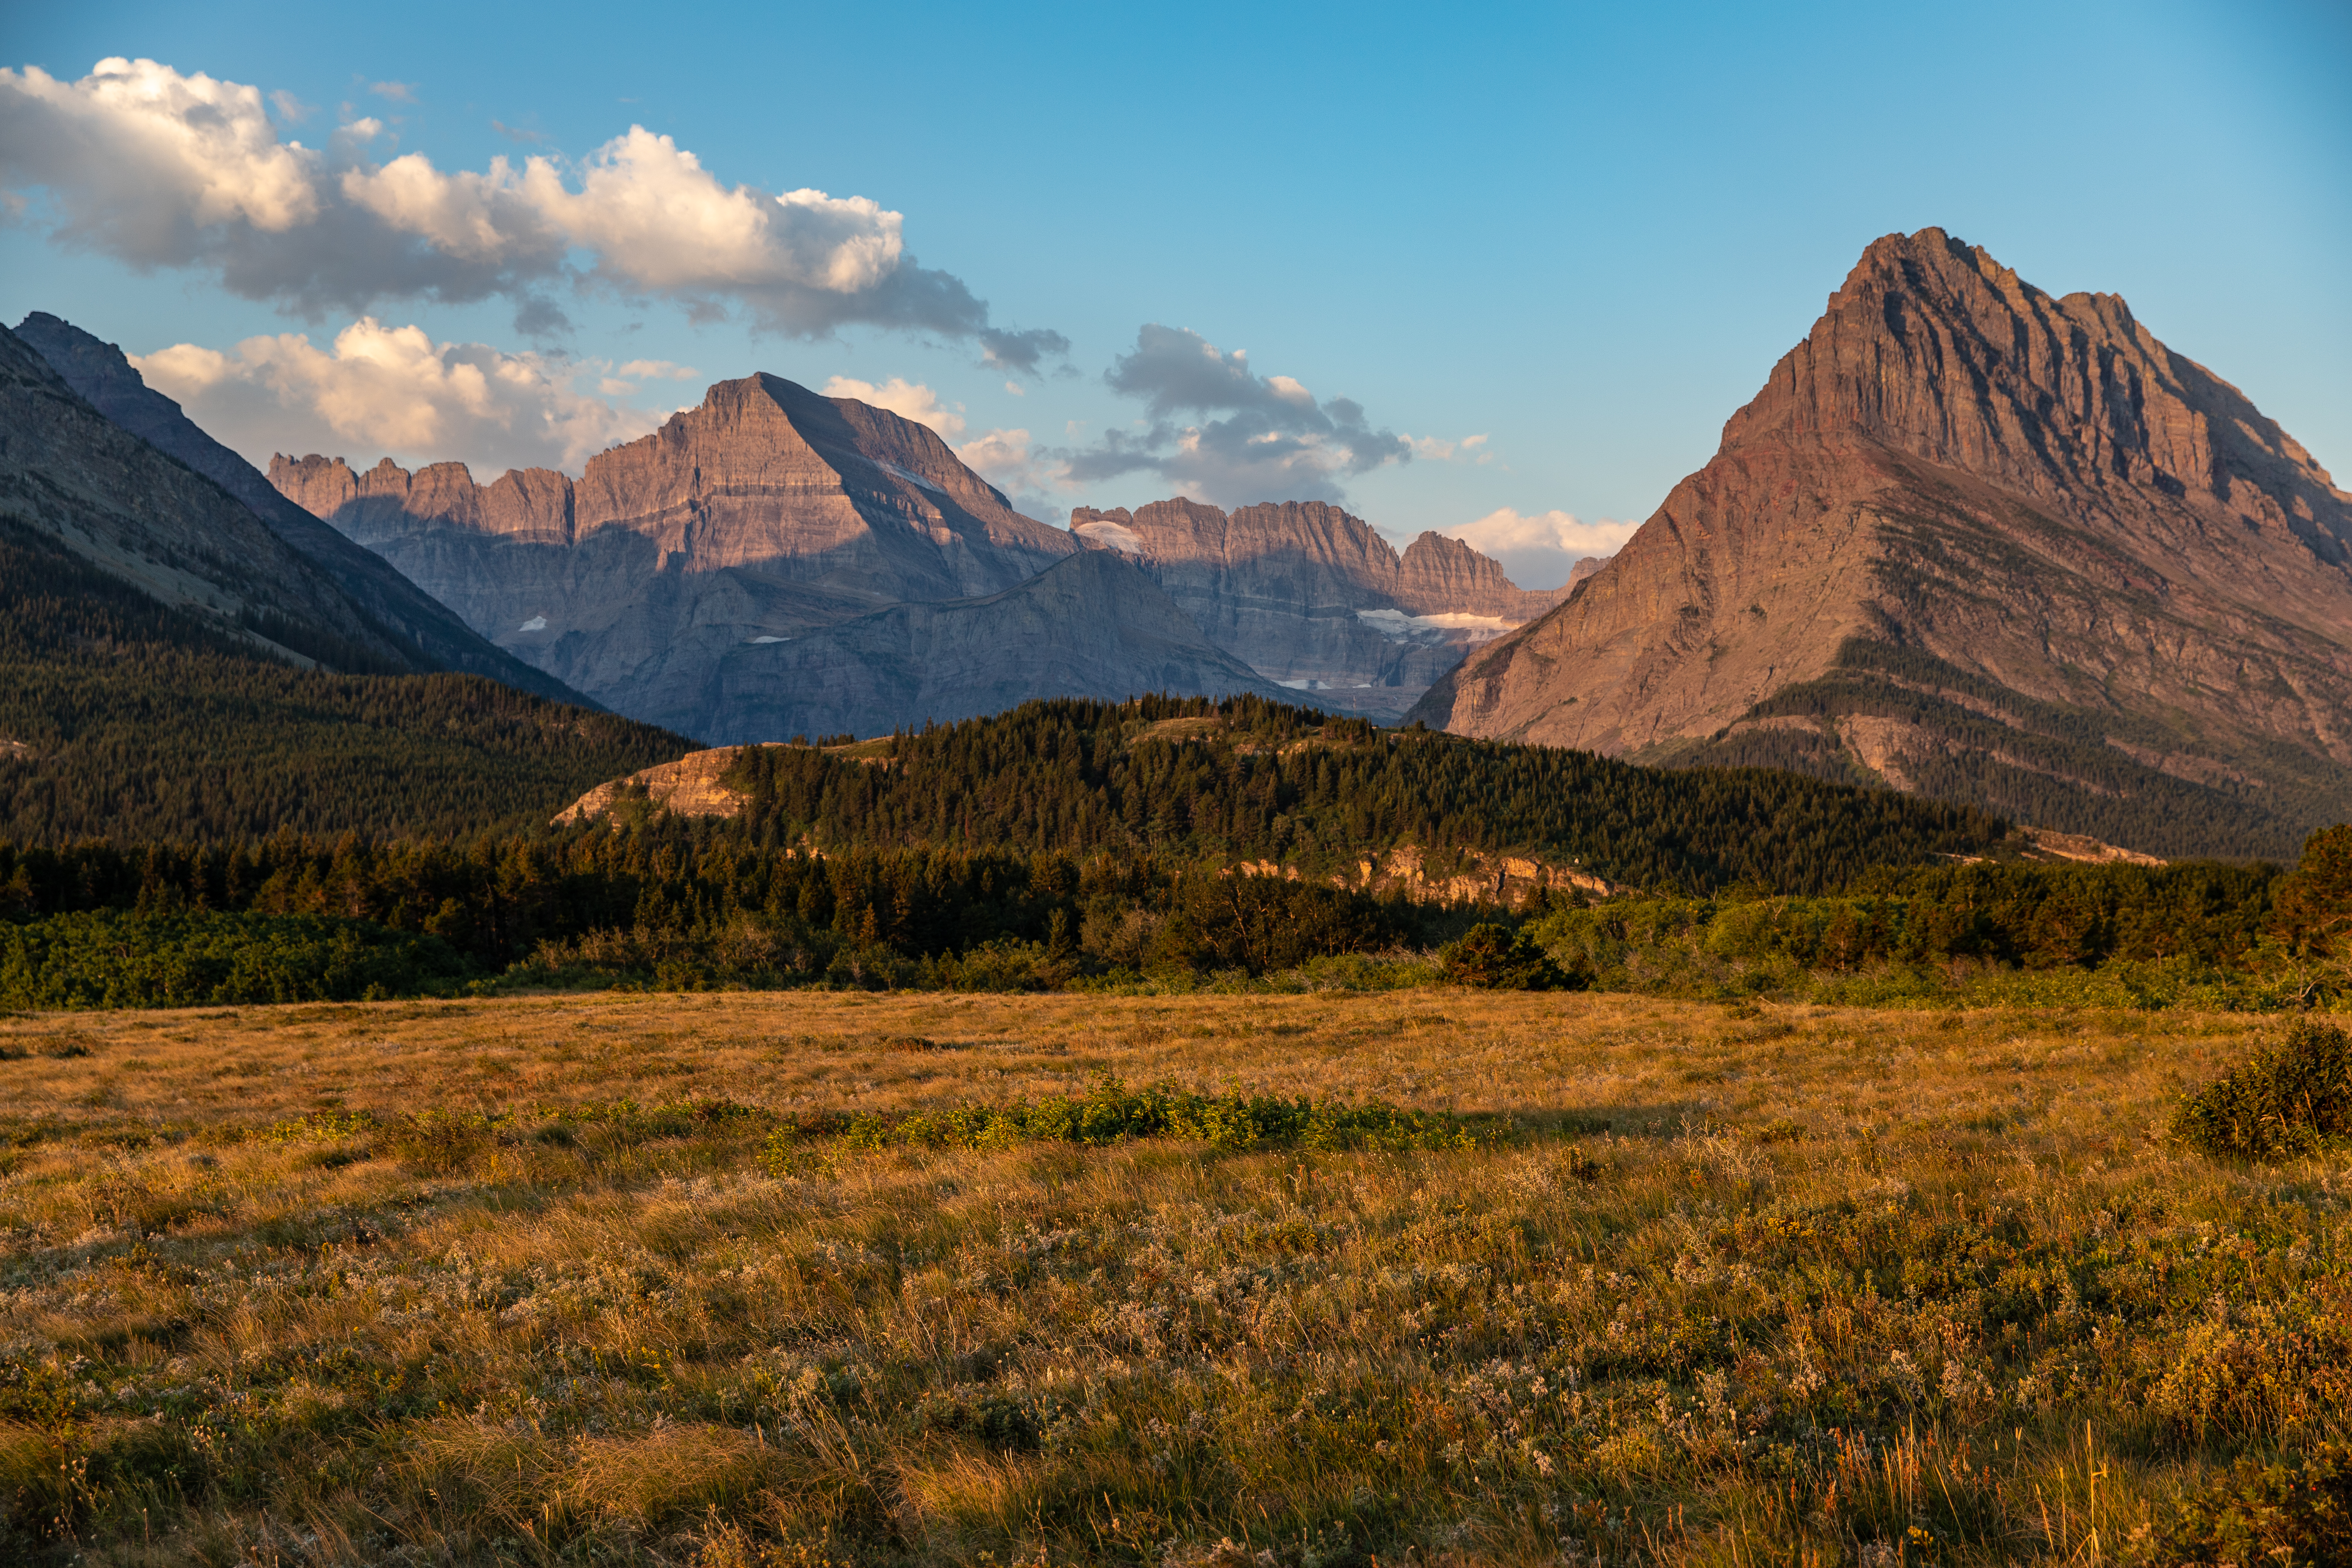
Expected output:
(73, 478)
(766, 514)
(429, 635)
(1091, 625)
(1977, 543)
(170, 668)
(1313, 599)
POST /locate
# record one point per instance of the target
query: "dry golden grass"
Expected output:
(424, 1282)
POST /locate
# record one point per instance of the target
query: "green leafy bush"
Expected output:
(104, 958)
(2293, 1509)
(1110, 1112)
(1492, 958)
(2282, 1101)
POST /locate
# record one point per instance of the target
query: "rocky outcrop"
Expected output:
(761, 515)
(1978, 541)
(1093, 625)
(426, 633)
(69, 473)
(1314, 599)
(691, 787)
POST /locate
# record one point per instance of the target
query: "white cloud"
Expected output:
(393, 391)
(1431, 448)
(137, 157)
(162, 169)
(394, 91)
(657, 370)
(1537, 550)
(907, 399)
(1007, 459)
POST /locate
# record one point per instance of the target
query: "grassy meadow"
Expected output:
(750, 1279)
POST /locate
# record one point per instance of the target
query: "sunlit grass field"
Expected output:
(675, 1278)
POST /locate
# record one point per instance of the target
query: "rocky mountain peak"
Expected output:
(1979, 540)
(1934, 349)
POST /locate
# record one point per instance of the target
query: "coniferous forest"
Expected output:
(124, 718)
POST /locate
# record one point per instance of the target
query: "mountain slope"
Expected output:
(170, 668)
(72, 476)
(767, 511)
(1091, 627)
(1978, 541)
(1312, 598)
(428, 634)
(125, 718)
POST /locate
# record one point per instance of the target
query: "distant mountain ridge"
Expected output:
(1975, 542)
(776, 562)
(427, 634)
(1313, 598)
(766, 513)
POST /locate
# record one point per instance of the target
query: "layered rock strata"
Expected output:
(1312, 598)
(762, 514)
(1093, 625)
(1982, 542)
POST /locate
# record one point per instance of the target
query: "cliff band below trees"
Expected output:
(1975, 542)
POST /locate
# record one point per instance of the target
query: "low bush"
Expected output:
(2296, 1509)
(1110, 1112)
(1493, 958)
(2283, 1100)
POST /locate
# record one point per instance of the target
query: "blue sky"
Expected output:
(1582, 233)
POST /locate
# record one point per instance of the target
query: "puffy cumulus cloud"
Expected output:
(394, 391)
(141, 160)
(907, 399)
(161, 169)
(1223, 433)
(1538, 550)
(1008, 459)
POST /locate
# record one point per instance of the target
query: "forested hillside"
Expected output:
(125, 719)
(1245, 779)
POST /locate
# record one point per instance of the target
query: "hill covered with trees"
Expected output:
(124, 718)
(1243, 779)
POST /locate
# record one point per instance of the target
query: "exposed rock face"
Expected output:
(1090, 626)
(1311, 597)
(689, 787)
(68, 472)
(1982, 542)
(766, 513)
(430, 636)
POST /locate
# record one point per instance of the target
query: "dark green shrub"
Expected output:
(2293, 1509)
(1491, 958)
(2284, 1099)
